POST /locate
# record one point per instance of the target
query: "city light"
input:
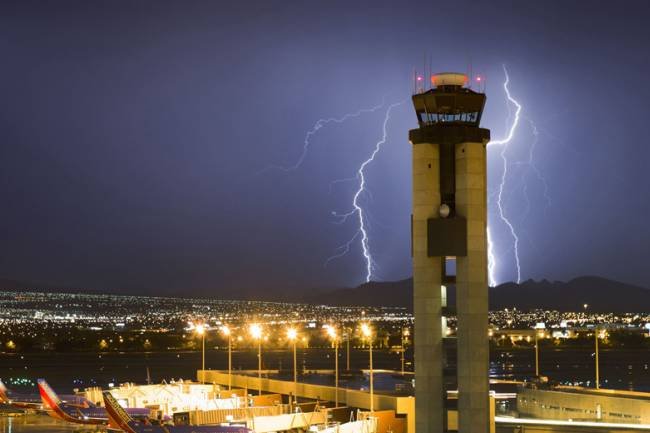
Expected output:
(331, 332)
(255, 331)
(366, 330)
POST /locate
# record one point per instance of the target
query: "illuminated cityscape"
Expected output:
(34, 318)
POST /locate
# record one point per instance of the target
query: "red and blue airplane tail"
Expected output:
(117, 416)
(4, 393)
(51, 401)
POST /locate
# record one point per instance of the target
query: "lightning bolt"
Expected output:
(531, 164)
(357, 208)
(504, 147)
(320, 123)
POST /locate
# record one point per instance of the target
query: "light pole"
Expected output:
(597, 366)
(331, 331)
(226, 331)
(200, 330)
(405, 334)
(292, 335)
(256, 333)
(536, 353)
(366, 330)
(347, 353)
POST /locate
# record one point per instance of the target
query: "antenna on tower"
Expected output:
(415, 81)
(424, 67)
(480, 80)
(430, 69)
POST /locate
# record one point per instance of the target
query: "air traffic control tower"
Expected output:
(449, 223)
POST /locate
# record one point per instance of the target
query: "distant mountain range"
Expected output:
(600, 294)
(6, 284)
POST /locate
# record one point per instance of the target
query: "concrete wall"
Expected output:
(605, 406)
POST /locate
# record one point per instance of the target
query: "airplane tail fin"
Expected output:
(4, 393)
(48, 396)
(117, 416)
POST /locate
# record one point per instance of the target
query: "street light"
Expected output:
(225, 330)
(292, 335)
(536, 353)
(405, 334)
(347, 352)
(200, 330)
(256, 333)
(597, 363)
(331, 332)
(366, 331)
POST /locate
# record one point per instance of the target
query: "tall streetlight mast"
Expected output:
(228, 333)
(292, 335)
(331, 331)
(366, 331)
(597, 361)
(200, 330)
(256, 333)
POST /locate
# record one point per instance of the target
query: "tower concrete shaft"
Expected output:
(472, 291)
(427, 293)
(449, 222)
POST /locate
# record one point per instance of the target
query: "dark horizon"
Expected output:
(528, 295)
(136, 138)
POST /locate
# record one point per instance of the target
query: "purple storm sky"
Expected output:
(133, 134)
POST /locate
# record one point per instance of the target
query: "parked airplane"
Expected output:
(122, 420)
(33, 401)
(90, 415)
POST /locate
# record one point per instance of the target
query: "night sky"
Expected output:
(134, 138)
